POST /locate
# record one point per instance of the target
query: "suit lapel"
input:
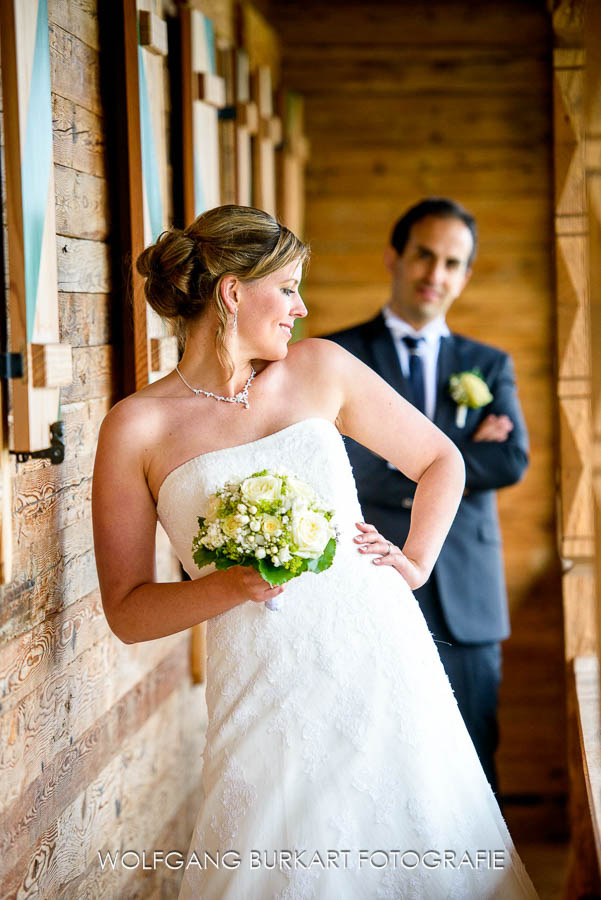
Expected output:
(384, 357)
(448, 364)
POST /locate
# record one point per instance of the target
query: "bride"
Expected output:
(336, 762)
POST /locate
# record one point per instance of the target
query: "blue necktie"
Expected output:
(416, 371)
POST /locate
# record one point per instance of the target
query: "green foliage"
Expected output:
(203, 557)
(274, 574)
(325, 560)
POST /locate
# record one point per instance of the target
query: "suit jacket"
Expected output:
(469, 573)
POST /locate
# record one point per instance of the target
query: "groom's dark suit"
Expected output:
(465, 600)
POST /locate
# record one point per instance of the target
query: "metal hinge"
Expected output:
(55, 452)
(11, 365)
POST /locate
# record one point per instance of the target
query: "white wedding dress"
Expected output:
(333, 731)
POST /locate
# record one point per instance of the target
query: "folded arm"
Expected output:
(492, 464)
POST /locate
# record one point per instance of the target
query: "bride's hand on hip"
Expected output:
(247, 584)
(388, 554)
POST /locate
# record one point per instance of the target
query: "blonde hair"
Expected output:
(184, 268)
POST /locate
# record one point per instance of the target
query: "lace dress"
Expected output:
(336, 764)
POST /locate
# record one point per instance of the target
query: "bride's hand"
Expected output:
(371, 541)
(246, 583)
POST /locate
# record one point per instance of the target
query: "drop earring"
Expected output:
(235, 323)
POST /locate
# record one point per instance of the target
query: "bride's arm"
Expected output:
(371, 412)
(124, 519)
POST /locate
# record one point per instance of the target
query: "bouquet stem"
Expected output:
(273, 603)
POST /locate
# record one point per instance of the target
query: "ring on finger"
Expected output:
(389, 549)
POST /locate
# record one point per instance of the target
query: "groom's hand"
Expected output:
(493, 428)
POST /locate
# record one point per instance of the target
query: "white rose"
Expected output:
(301, 490)
(311, 532)
(230, 526)
(271, 526)
(261, 487)
(260, 553)
(285, 554)
(213, 505)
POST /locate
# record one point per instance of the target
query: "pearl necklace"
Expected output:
(240, 397)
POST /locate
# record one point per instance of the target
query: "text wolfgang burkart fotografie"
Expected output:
(287, 860)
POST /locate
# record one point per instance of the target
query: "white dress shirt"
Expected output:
(428, 350)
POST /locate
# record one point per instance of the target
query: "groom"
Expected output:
(431, 251)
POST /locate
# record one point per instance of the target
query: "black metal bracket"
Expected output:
(55, 452)
(226, 113)
(11, 365)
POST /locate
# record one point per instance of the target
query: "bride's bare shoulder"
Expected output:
(315, 351)
(131, 421)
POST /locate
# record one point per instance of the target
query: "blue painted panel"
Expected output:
(210, 39)
(150, 165)
(36, 163)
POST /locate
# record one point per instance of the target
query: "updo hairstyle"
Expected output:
(184, 268)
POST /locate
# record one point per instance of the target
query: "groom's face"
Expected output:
(431, 271)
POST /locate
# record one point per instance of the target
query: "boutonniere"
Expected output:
(468, 389)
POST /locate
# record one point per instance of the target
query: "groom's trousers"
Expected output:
(474, 671)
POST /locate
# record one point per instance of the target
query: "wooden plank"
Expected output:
(497, 121)
(92, 373)
(205, 121)
(163, 353)
(82, 208)
(56, 587)
(469, 171)
(475, 71)
(78, 17)
(210, 89)
(153, 33)
(579, 609)
(119, 28)
(78, 137)
(493, 269)
(110, 746)
(74, 68)
(83, 266)
(227, 126)
(43, 498)
(264, 163)
(85, 319)
(54, 643)
(523, 222)
(52, 718)
(51, 365)
(247, 123)
(452, 23)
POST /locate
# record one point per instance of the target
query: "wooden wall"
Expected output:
(404, 100)
(100, 742)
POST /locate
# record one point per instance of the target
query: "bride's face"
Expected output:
(267, 310)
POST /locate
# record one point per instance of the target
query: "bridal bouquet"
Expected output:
(272, 521)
